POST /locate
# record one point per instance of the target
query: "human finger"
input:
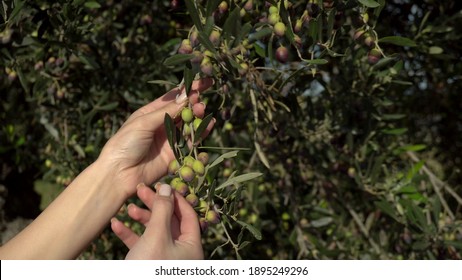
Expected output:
(145, 194)
(174, 94)
(159, 226)
(128, 237)
(138, 214)
(187, 218)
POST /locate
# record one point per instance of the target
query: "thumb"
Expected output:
(159, 226)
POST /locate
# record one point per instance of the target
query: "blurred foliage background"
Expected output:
(360, 160)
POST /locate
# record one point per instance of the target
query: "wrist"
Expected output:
(109, 177)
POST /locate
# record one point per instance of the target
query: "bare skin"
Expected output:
(138, 153)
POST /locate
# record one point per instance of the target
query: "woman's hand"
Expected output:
(139, 151)
(172, 228)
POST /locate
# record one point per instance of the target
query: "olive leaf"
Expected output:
(178, 59)
(171, 131)
(232, 24)
(239, 179)
(255, 232)
(221, 158)
(369, 3)
(211, 6)
(265, 31)
(201, 128)
(188, 75)
(190, 5)
(398, 40)
(211, 191)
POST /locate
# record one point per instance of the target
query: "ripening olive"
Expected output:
(173, 167)
(203, 157)
(198, 167)
(373, 56)
(192, 199)
(279, 29)
(189, 161)
(282, 54)
(187, 115)
(212, 217)
(186, 173)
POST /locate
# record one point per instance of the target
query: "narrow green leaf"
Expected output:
(109, 107)
(261, 51)
(386, 207)
(209, 25)
(232, 25)
(255, 232)
(330, 22)
(414, 214)
(236, 199)
(407, 189)
(188, 75)
(369, 3)
(162, 82)
(395, 131)
(211, 191)
(262, 33)
(178, 59)
(211, 6)
(4, 10)
(398, 40)
(50, 128)
(18, 5)
(22, 80)
(170, 130)
(324, 221)
(414, 170)
(376, 168)
(92, 5)
(388, 117)
(244, 244)
(200, 130)
(223, 157)
(318, 61)
(403, 83)
(245, 30)
(436, 210)
(261, 155)
(204, 40)
(435, 50)
(89, 61)
(239, 179)
(190, 5)
(414, 148)
(313, 30)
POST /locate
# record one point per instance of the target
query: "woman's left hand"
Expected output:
(139, 151)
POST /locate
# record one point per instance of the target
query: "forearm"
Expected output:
(73, 220)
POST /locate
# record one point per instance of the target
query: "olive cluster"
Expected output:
(366, 36)
(186, 170)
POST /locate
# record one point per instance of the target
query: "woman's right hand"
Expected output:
(172, 227)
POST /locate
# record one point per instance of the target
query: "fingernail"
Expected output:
(165, 190)
(180, 99)
(140, 185)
